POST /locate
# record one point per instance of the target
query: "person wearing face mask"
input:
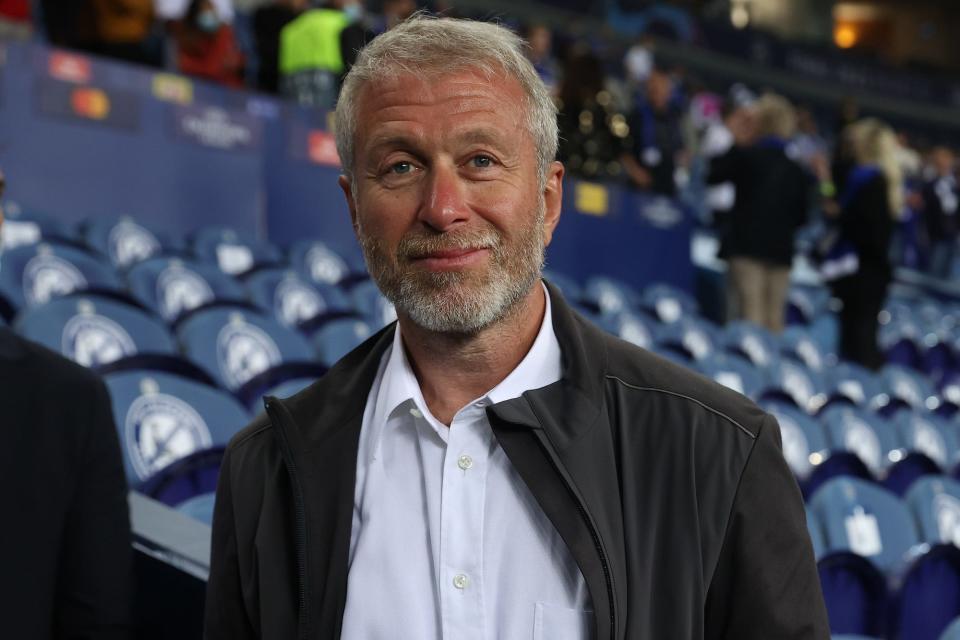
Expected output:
(207, 47)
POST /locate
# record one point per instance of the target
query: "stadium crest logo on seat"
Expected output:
(129, 243)
(160, 429)
(93, 340)
(244, 351)
(295, 302)
(946, 510)
(179, 290)
(47, 276)
(324, 265)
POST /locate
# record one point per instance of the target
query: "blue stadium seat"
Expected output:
(732, 372)
(749, 341)
(805, 445)
(867, 520)
(935, 503)
(338, 337)
(124, 241)
(952, 632)
(162, 418)
(867, 435)
(320, 263)
(34, 274)
(569, 287)
(816, 534)
(292, 299)
(22, 228)
(94, 331)
(199, 507)
(796, 344)
(609, 295)
(233, 252)
(632, 327)
(693, 337)
(234, 345)
(189, 484)
(856, 595)
(928, 434)
(906, 388)
(851, 384)
(668, 304)
(371, 304)
(172, 287)
(791, 381)
(805, 303)
(899, 340)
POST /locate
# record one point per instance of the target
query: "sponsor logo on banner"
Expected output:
(112, 107)
(170, 87)
(322, 148)
(69, 67)
(218, 128)
(591, 199)
(661, 212)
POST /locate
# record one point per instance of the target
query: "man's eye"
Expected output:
(482, 162)
(401, 168)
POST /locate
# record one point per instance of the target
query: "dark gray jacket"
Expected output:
(670, 491)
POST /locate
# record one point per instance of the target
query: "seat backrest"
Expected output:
(234, 344)
(869, 436)
(667, 303)
(635, 329)
(172, 286)
(161, 418)
(733, 372)
(291, 298)
(21, 228)
(797, 382)
(815, 529)
(928, 434)
(94, 331)
(952, 632)
(338, 337)
(34, 274)
(802, 437)
(935, 503)
(853, 382)
(749, 341)
(123, 240)
(319, 262)
(693, 336)
(371, 304)
(609, 295)
(231, 251)
(797, 344)
(863, 518)
(907, 386)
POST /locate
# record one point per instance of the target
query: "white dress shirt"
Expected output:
(447, 541)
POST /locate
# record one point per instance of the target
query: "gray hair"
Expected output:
(431, 47)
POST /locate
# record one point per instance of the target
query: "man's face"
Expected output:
(446, 200)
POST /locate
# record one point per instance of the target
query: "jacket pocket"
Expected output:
(552, 622)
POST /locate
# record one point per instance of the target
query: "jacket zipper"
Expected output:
(274, 409)
(604, 564)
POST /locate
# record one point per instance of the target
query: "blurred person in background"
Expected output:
(268, 21)
(68, 23)
(207, 47)
(540, 53)
(67, 563)
(656, 139)
(772, 198)
(15, 19)
(128, 30)
(868, 205)
(940, 212)
(394, 12)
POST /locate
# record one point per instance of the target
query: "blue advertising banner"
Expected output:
(217, 128)
(89, 104)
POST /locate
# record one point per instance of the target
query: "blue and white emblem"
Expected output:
(928, 441)
(179, 289)
(324, 265)
(946, 509)
(295, 301)
(48, 276)
(129, 243)
(244, 351)
(160, 429)
(859, 438)
(91, 340)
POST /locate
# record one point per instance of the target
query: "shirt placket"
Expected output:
(461, 526)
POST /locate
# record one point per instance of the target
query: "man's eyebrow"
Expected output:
(393, 141)
(482, 136)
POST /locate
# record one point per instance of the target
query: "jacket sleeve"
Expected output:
(225, 616)
(726, 167)
(95, 578)
(765, 584)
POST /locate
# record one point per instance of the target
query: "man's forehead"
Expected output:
(425, 88)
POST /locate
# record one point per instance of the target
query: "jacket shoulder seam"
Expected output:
(249, 436)
(676, 394)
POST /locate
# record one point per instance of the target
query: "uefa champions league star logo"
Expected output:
(93, 340)
(296, 301)
(47, 276)
(244, 351)
(324, 265)
(129, 243)
(179, 289)
(160, 429)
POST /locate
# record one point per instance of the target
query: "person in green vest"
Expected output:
(311, 53)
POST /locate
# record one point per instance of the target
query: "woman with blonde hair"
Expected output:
(869, 204)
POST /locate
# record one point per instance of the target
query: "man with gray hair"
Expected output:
(492, 465)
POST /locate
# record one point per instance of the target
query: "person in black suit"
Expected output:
(67, 558)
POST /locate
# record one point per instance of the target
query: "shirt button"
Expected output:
(416, 413)
(460, 581)
(465, 462)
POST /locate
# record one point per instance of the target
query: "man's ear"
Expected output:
(552, 199)
(345, 185)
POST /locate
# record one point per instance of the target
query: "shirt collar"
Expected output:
(398, 384)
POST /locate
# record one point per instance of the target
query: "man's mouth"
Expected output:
(454, 258)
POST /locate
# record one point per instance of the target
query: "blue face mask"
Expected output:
(208, 21)
(353, 11)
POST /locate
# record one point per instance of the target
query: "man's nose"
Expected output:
(444, 203)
